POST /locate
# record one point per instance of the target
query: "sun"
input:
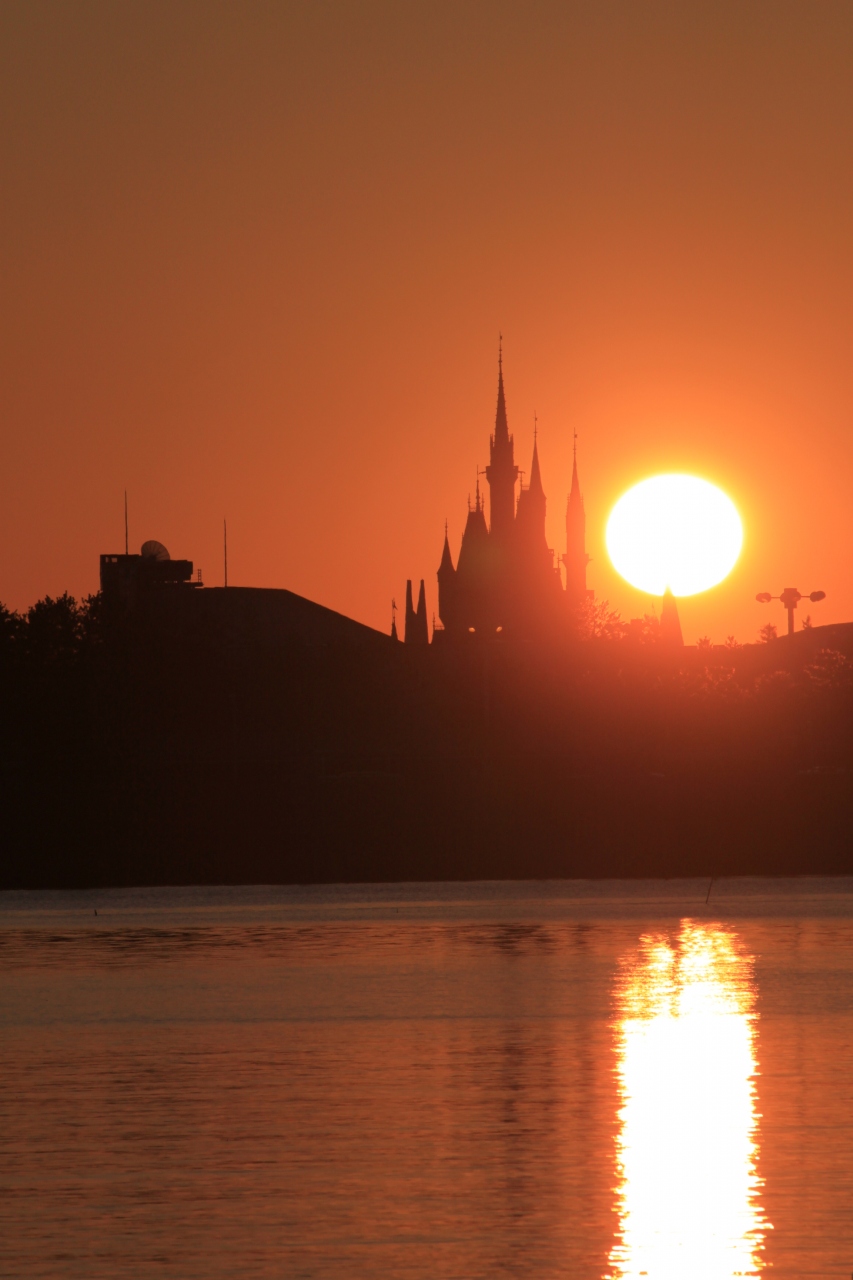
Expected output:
(674, 531)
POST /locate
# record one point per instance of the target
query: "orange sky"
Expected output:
(255, 257)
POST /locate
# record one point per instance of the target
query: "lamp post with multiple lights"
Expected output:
(790, 598)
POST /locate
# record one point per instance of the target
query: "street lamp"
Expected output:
(790, 598)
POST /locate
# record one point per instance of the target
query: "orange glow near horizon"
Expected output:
(256, 258)
(687, 1195)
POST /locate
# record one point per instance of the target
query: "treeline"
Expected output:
(53, 741)
(132, 754)
(51, 632)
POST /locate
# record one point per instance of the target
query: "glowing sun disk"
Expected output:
(674, 531)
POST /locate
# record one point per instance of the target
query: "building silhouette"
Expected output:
(158, 596)
(130, 578)
(506, 579)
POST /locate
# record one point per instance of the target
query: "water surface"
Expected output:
(567, 1079)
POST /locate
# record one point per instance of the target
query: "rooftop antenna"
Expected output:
(126, 552)
(225, 547)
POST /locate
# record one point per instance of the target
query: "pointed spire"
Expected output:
(670, 624)
(535, 485)
(417, 629)
(477, 506)
(501, 473)
(576, 488)
(446, 557)
(501, 426)
(446, 585)
(576, 558)
(421, 622)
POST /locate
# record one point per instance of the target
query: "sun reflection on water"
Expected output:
(688, 1189)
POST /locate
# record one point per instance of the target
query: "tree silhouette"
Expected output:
(54, 630)
(10, 626)
(595, 620)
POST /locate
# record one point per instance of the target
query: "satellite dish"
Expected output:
(152, 550)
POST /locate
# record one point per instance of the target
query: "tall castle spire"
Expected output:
(535, 485)
(576, 489)
(501, 472)
(501, 425)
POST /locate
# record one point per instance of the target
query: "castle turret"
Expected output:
(421, 622)
(417, 627)
(530, 516)
(475, 574)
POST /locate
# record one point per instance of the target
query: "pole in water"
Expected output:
(125, 523)
(225, 547)
(708, 894)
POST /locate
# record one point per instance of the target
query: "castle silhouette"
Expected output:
(506, 580)
(505, 585)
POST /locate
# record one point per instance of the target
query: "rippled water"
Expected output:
(573, 1079)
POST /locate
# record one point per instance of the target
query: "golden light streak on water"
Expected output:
(688, 1189)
